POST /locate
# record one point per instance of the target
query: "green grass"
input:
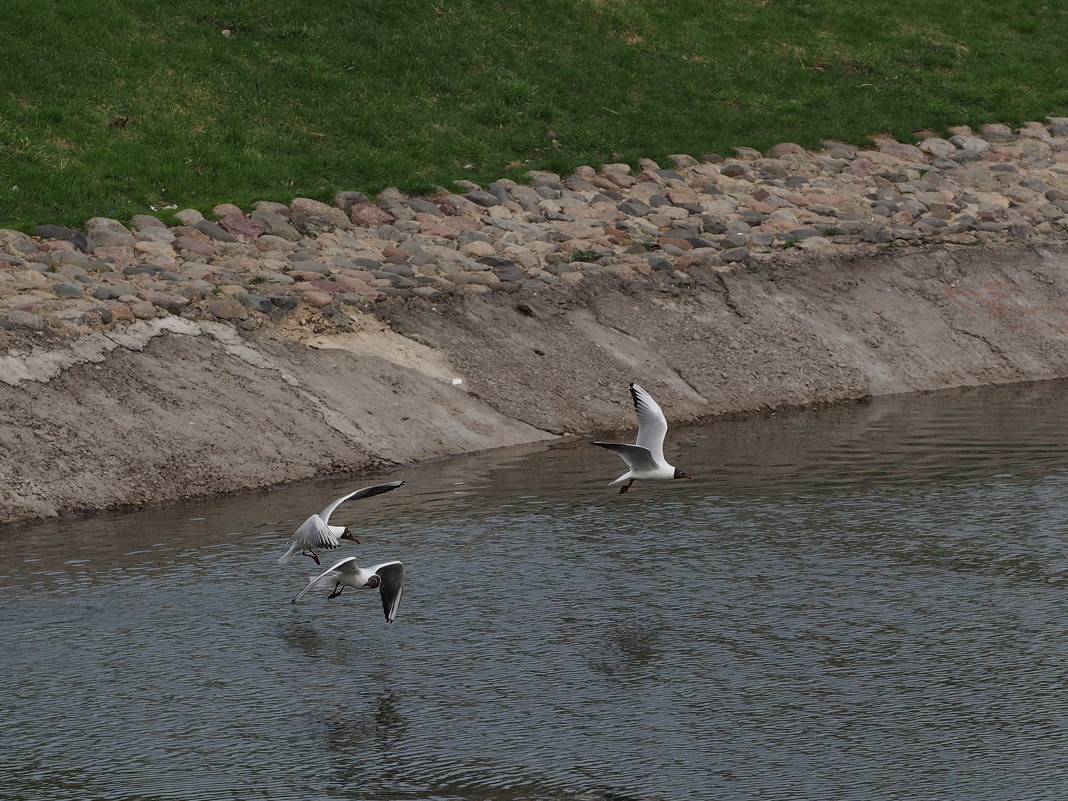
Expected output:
(109, 107)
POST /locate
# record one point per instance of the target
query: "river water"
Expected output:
(860, 602)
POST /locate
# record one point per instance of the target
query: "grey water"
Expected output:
(858, 602)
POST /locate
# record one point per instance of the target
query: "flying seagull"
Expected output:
(645, 457)
(317, 534)
(387, 577)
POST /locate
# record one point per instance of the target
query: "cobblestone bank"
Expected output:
(249, 267)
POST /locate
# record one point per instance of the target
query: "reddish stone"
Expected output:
(237, 223)
(119, 255)
(679, 243)
(192, 245)
(164, 300)
(437, 229)
(317, 298)
(369, 215)
(786, 149)
(228, 309)
(120, 312)
(56, 244)
(326, 285)
(1003, 153)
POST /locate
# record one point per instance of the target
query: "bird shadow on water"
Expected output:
(305, 637)
(353, 725)
(628, 648)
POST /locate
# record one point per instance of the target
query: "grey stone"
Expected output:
(105, 292)
(155, 233)
(271, 207)
(364, 263)
(257, 303)
(110, 238)
(700, 242)
(49, 231)
(394, 278)
(285, 302)
(659, 262)
(311, 224)
(421, 205)
(673, 175)
(188, 216)
(469, 236)
(122, 288)
(510, 272)
(213, 230)
(65, 290)
(402, 269)
(577, 184)
(499, 191)
(482, 198)
(390, 233)
(735, 255)
(142, 221)
(25, 319)
(635, 208)
(346, 200)
(309, 265)
(275, 224)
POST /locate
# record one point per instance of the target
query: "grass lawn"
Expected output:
(111, 107)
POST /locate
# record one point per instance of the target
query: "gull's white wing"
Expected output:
(315, 533)
(652, 425)
(347, 565)
(392, 575)
(636, 457)
(366, 492)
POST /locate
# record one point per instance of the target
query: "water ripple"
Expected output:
(851, 603)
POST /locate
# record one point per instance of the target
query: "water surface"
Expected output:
(862, 602)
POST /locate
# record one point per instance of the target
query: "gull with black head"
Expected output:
(387, 578)
(316, 534)
(645, 457)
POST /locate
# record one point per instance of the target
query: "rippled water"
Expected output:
(851, 603)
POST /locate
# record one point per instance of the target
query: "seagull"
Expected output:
(388, 577)
(316, 533)
(646, 457)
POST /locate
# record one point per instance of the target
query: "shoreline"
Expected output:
(158, 363)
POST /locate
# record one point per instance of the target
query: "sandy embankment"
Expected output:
(171, 408)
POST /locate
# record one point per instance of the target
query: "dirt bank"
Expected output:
(171, 408)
